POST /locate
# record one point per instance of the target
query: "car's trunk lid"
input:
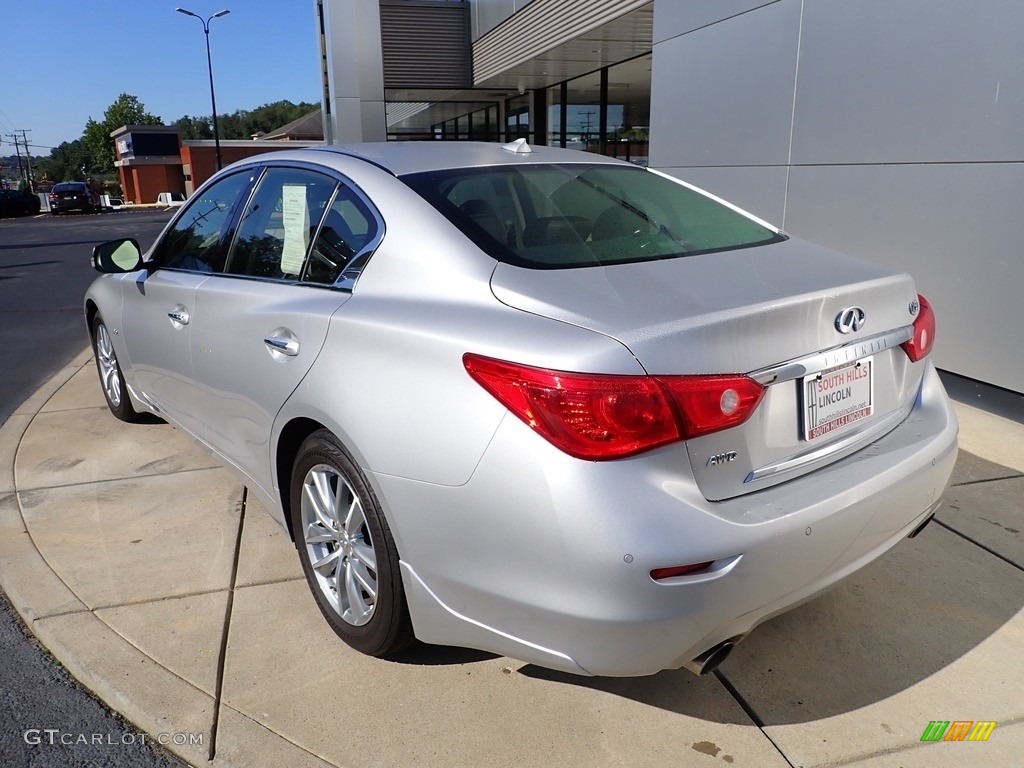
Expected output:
(745, 311)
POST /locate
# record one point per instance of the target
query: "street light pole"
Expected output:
(209, 67)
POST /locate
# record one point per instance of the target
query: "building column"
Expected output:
(354, 108)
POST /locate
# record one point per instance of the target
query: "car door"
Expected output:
(260, 325)
(158, 306)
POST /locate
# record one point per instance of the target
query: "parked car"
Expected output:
(13, 202)
(73, 196)
(170, 199)
(538, 402)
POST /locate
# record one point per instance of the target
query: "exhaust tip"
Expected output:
(712, 657)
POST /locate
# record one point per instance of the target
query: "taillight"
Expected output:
(709, 404)
(924, 332)
(604, 416)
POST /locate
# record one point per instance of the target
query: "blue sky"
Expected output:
(68, 60)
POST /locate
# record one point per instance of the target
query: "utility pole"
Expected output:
(28, 161)
(17, 150)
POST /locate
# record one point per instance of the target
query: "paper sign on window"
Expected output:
(295, 217)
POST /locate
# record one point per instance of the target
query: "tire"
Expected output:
(115, 392)
(338, 524)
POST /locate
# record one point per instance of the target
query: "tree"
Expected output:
(194, 127)
(65, 163)
(126, 110)
(243, 123)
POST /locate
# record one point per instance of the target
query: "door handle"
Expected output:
(179, 315)
(283, 345)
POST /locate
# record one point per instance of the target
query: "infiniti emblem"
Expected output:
(850, 319)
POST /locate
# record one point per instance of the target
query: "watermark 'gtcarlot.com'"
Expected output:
(55, 736)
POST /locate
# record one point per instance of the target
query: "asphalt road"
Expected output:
(46, 719)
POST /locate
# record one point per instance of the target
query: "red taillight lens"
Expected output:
(678, 570)
(924, 332)
(602, 416)
(709, 404)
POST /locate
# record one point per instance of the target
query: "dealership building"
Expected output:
(893, 131)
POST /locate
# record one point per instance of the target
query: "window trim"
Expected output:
(349, 276)
(265, 169)
(227, 234)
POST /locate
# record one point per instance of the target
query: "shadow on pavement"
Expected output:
(26, 263)
(424, 655)
(56, 244)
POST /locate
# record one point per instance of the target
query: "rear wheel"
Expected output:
(111, 379)
(346, 549)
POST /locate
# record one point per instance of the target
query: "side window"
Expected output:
(278, 223)
(195, 242)
(348, 228)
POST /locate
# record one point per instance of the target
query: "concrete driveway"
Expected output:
(150, 575)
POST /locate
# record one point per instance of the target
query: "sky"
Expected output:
(68, 60)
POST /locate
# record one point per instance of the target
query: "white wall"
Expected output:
(356, 70)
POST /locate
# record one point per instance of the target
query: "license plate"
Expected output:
(837, 398)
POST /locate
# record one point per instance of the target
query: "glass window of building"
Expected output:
(517, 118)
(583, 113)
(629, 110)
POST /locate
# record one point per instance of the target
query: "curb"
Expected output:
(92, 651)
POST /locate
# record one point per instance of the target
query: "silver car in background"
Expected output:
(532, 401)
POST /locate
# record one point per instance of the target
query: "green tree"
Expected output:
(65, 163)
(243, 123)
(194, 127)
(126, 110)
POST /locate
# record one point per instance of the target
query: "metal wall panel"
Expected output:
(541, 26)
(723, 95)
(677, 17)
(907, 126)
(955, 228)
(425, 45)
(910, 81)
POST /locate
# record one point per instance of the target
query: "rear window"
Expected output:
(559, 216)
(69, 186)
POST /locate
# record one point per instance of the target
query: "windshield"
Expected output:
(558, 216)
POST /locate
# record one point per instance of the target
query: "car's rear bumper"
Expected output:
(547, 558)
(68, 206)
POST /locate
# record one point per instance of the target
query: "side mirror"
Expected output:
(117, 256)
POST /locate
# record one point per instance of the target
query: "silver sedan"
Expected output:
(532, 401)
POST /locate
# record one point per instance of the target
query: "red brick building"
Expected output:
(151, 159)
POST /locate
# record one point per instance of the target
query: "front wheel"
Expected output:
(111, 379)
(347, 552)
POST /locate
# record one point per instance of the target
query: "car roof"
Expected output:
(404, 157)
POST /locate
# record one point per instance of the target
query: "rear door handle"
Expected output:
(179, 315)
(282, 344)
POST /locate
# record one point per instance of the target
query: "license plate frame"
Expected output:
(837, 398)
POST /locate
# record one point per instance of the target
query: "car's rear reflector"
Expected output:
(924, 332)
(679, 570)
(605, 416)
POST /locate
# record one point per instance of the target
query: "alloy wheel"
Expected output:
(338, 544)
(107, 360)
